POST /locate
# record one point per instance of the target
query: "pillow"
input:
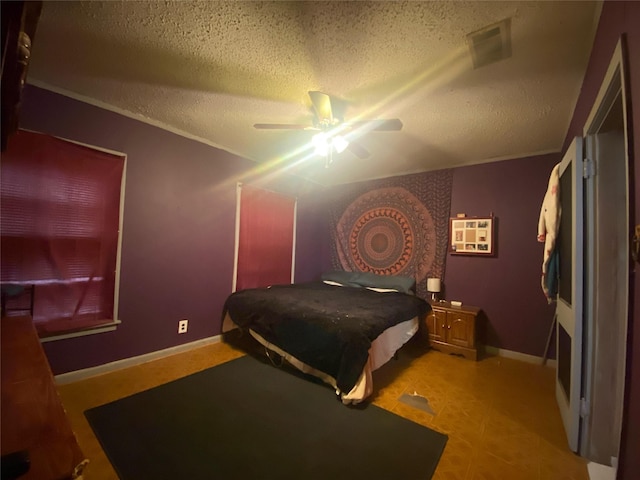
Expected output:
(398, 282)
(381, 290)
(366, 279)
(343, 278)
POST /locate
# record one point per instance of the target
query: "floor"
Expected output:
(500, 414)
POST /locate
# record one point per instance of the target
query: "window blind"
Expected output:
(59, 221)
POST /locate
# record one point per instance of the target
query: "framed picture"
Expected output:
(471, 235)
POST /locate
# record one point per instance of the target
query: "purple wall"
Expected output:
(313, 237)
(178, 231)
(506, 286)
(619, 18)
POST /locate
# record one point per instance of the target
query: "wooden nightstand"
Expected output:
(454, 329)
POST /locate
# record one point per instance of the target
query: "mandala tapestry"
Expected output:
(396, 226)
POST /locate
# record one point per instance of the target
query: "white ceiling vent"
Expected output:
(490, 44)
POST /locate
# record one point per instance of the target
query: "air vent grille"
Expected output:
(490, 44)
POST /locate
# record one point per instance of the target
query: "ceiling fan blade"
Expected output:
(390, 125)
(322, 105)
(358, 150)
(281, 126)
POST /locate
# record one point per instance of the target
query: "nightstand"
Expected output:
(454, 329)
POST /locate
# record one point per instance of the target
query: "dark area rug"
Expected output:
(247, 419)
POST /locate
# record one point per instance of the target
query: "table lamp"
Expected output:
(433, 286)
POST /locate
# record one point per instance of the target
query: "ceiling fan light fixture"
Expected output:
(321, 144)
(324, 143)
(334, 135)
(340, 143)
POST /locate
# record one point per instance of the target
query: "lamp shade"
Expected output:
(433, 284)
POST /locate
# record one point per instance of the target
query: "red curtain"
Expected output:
(59, 221)
(265, 247)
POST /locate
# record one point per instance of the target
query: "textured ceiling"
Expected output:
(211, 70)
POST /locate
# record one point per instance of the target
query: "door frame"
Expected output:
(614, 84)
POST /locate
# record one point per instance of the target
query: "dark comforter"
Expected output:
(327, 327)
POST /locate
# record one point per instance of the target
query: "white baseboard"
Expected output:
(524, 357)
(601, 472)
(85, 373)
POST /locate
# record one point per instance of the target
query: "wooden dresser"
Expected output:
(454, 329)
(33, 417)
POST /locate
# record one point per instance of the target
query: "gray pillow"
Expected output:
(366, 279)
(398, 282)
(343, 278)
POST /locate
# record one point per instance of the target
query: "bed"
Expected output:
(339, 329)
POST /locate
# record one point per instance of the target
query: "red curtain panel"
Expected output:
(265, 246)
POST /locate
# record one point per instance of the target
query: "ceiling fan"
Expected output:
(329, 122)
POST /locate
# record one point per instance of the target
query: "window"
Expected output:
(59, 223)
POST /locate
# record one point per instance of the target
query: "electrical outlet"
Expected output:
(182, 326)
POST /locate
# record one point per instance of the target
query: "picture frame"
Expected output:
(471, 236)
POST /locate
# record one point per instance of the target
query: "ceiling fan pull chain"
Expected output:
(329, 158)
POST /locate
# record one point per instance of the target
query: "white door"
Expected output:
(569, 314)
